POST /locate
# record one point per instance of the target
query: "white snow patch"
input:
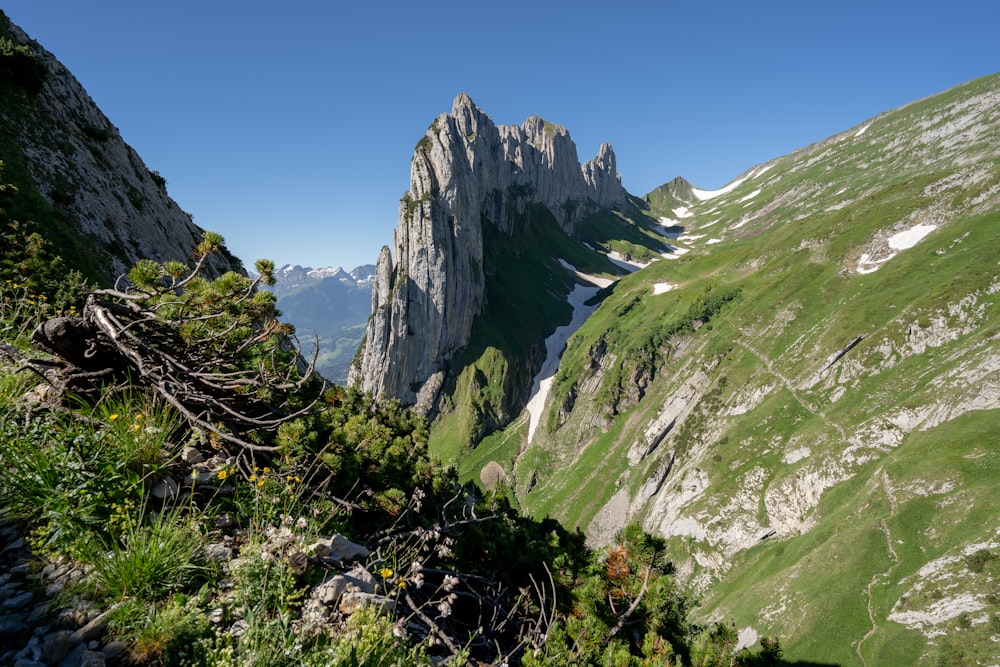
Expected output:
(910, 237)
(868, 265)
(862, 130)
(900, 241)
(593, 280)
(711, 194)
(675, 253)
(668, 222)
(554, 346)
(683, 212)
(751, 195)
(662, 288)
(711, 241)
(690, 237)
(628, 264)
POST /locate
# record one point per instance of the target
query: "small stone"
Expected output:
(74, 658)
(217, 616)
(334, 588)
(165, 488)
(92, 630)
(13, 624)
(92, 659)
(13, 546)
(114, 650)
(353, 601)
(28, 662)
(18, 601)
(56, 646)
(218, 553)
(225, 520)
(39, 612)
(339, 548)
(192, 456)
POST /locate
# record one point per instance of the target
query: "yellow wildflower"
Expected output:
(113, 417)
(222, 474)
(385, 572)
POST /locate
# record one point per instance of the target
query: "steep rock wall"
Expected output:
(466, 172)
(95, 182)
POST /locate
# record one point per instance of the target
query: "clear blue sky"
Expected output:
(288, 127)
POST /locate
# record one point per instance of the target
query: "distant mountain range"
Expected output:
(331, 303)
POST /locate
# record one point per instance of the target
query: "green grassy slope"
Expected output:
(833, 386)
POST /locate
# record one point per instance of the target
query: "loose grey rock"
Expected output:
(94, 629)
(218, 553)
(332, 589)
(353, 601)
(13, 624)
(92, 659)
(74, 658)
(18, 601)
(339, 548)
(56, 645)
(165, 488)
(114, 650)
(192, 456)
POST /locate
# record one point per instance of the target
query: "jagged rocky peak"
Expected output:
(466, 171)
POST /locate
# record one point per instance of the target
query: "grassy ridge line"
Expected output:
(928, 318)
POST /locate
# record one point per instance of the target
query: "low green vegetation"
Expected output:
(202, 539)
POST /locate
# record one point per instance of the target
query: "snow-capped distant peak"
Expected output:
(328, 272)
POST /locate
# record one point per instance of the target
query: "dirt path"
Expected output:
(745, 344)
(886, 485)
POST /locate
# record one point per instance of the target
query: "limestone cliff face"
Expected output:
(94, 182)
(466, 172)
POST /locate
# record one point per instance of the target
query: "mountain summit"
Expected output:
(471, 181)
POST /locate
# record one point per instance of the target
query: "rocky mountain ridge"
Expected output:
(294, 275)
(66, 156)
(469, 178)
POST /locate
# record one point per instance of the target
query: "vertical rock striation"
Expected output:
(466, 172)
(93, 181)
